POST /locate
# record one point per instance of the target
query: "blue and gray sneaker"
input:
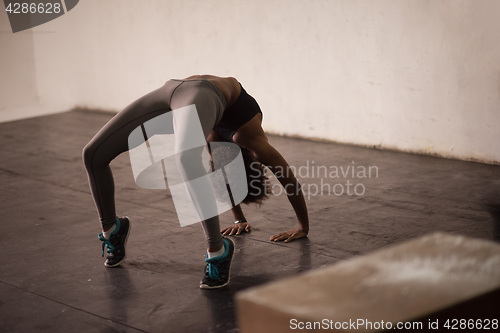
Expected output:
(115, 245)
(217, 268)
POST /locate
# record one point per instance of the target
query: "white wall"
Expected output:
(18, 90)
(413, 75)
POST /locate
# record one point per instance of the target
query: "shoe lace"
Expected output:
(106, 243)
(212, 271)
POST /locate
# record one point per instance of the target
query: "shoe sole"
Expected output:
(124, 245)
(204, 286)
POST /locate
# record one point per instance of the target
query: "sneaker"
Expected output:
(115, 245)
(217, 268)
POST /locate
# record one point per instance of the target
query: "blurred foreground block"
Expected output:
(435, 280)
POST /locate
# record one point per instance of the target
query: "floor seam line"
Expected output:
(282, 245)
(71, 306)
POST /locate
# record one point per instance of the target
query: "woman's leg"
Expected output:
(111, 141)
(208, 106)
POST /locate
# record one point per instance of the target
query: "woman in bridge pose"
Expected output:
(226, 113)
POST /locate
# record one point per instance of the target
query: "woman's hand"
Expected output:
(289, 235)
(236, 229)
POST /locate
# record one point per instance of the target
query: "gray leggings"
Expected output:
(112, 140)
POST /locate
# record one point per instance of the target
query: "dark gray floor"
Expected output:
(51, 274)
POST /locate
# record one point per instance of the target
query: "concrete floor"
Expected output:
(52, 277)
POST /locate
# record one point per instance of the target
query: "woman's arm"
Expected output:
(252, 136)
(270, 157)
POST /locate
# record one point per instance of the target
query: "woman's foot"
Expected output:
(115, 244)
(217, 268)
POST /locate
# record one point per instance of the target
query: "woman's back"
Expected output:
(229, 86)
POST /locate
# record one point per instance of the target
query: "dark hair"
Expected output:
(257, 181)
